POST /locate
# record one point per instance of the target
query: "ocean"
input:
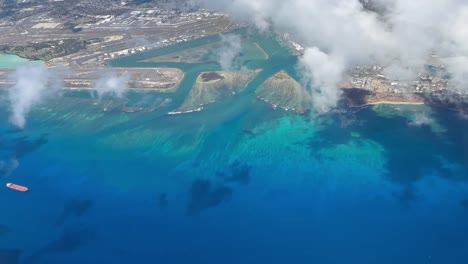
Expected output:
(239, 182)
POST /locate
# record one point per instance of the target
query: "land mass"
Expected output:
(369, 86)
(432, 85)
(281, 90)
(191, 55)
(157, 79)
(211, 87)
(84, 35)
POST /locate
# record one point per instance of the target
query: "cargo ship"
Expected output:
(16, 187)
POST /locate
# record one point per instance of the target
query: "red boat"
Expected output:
(16, 187)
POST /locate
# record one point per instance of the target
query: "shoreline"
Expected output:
(136, 82)
(275, 106)
(135, 89)
(78, 88)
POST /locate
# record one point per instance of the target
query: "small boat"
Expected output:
(16, 187)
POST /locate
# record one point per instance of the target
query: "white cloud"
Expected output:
(321, 72)
(401, 39)
(33, 84)
(230, 50)
(111, 84)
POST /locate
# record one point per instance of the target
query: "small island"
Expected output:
(215, 86)
(281, 90)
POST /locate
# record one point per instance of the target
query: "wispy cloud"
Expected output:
(339, 34)
(229, 52)
(33, 84)
(111, 84)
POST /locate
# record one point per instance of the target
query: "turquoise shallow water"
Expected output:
(236, 183)
(12, 61)
(244, 186)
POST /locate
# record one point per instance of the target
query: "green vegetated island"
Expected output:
(281, 90)
(215, 86)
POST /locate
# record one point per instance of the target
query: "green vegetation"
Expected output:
(216, 86)
(283, 91)
(48, 49)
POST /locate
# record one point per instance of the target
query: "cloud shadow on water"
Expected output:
(406, 196)
(237, 172)
(12, 149)
(70, 240)
(14, 130)
(23, 145)
(412, 152)
(74, 208)
(203, 195)
(458, 133)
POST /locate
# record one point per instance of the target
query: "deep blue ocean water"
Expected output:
(254, 186)
(238, 182)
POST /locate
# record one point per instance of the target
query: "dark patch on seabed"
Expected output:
(412, 152)
(458, 132)
(74, 208)
(203, 195)
(454, 102)
(406, 196)
(70, 240)
(24, 146)
(13, 130)
(8, 166)
(248, 133)
(237, 173)
(9, 256)
(12, 149)
(336, 132)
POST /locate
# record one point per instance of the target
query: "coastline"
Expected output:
(170, 79)
(89, 88)
(25, 59)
